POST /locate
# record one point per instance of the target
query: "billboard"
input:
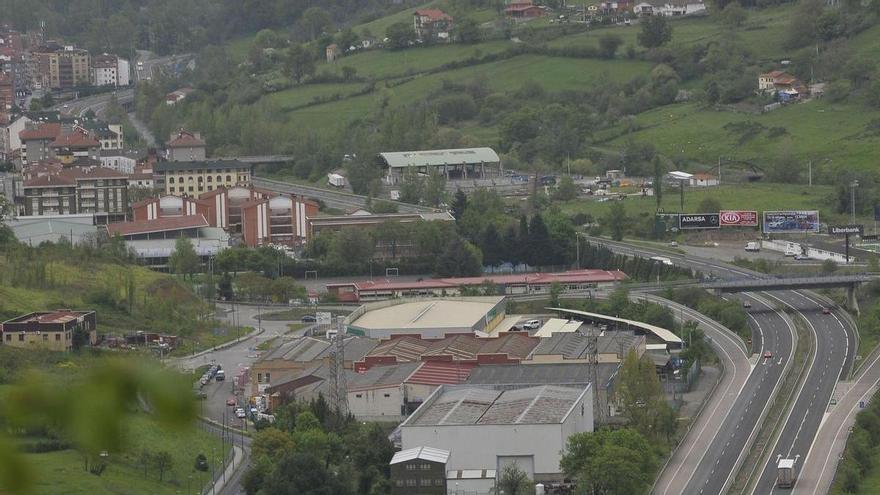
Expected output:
(737, 218)
(846, 229)
(786, 222)
(698, 221)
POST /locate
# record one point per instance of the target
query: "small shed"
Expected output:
(419, 470)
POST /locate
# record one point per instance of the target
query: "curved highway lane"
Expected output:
(834, 350)
(832, 358)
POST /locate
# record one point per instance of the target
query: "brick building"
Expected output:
(75, 190)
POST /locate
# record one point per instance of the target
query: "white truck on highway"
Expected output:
(785, 472)
(753, 247)
(663, 260)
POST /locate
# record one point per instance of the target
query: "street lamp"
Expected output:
(852, 189)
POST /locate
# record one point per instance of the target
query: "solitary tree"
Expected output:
(514, 481)
(184, 259)
(658, 181)
(655, 32)
(459, 204)
(163, 462)
(300, 63)
(608, 45)
(400, 35)
(616, 220)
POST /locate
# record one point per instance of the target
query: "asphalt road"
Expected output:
(723, 457)
(834, 351)
(232, 359)
(819, 468)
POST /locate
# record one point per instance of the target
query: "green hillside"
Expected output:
(546, 94)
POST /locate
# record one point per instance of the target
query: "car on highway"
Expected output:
(532, 325)
(747, 304)
(308, 319)
(826, 311)
(673, 244)
(801, 257)
(230, 401)
(768, 354)
(239, 412)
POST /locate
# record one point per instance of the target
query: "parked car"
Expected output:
(308, 319)
(239, 412)
(532, 325)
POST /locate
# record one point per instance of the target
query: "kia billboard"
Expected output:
(786, 222)
(698, 221)
(736, 218)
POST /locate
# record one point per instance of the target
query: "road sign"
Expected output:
(699, 221)
(846, 229)
(786, 222)
(738, 218)
(322, 318)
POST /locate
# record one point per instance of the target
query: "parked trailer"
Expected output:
(336, 180)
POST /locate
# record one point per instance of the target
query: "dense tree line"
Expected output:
(176, 26)
(310, 449)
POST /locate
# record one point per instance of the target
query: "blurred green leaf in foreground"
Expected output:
(89, 409)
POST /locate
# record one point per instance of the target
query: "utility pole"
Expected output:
(681, 193)
(852, 188)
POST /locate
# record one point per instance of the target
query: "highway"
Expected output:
(772, 332)
(832, 360)
(335, 199)
(819, 468)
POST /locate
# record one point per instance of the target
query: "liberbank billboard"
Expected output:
(787, 222)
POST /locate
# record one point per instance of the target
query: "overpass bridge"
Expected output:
(848, 282)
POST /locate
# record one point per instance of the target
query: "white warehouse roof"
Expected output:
(470, 156)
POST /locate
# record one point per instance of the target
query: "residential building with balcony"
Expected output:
(97, 191)
(192, 178)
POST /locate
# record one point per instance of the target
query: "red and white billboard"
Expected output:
(737, 218)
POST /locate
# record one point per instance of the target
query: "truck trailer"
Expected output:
(785, 472)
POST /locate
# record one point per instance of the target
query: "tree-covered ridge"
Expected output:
(175, 26)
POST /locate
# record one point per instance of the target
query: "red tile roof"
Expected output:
(55, 180)
(75, 139)
(433, 14)
(157, 225)
(573, 276)
(93, 173)
(441, 373)
(185, 139)
(48, 130)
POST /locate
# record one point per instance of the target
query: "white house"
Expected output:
(9, 140)
(670, 8)
(704, 180)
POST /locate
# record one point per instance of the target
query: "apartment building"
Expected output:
(7, 92)
(36, 141)
(191, 178)
(76, 190)
(110, 70)
(75, 145)
(69, 67)
(261, 217)
(185, 146)
(50, 330)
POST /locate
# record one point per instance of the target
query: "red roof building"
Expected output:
(526, 283)
(523, 9)
(432, 25)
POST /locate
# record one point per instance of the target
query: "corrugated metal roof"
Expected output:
(434, 158)
(424, 453)
(662, 333)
